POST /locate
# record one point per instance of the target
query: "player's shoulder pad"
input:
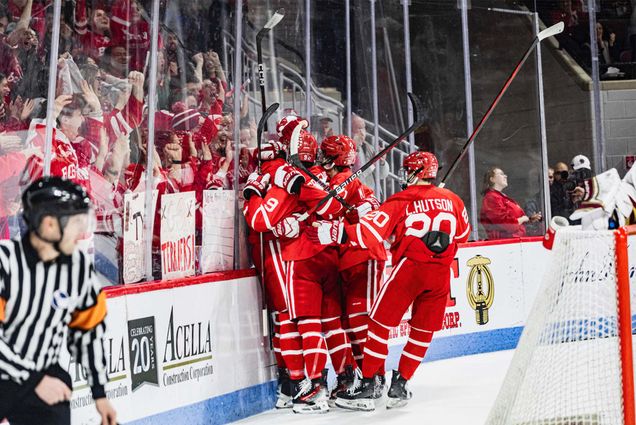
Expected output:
(394, 200)
(277, 192)
(341, 177)
(447, 192)
(456, 200)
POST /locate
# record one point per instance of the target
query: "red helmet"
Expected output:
(420, 164)
(307, 147)
(339, 150)
(285, 127)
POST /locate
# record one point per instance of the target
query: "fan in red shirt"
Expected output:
(96, 38)
(9, 64)
(129, 29)
(71, 147)
(36, 15)
(500, 215)
(428, 223)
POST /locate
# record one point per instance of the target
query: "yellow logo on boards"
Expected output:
(480, 288)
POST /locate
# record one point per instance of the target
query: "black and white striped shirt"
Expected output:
(38, 302)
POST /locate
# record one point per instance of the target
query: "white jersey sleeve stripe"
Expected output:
(372, 230)
(463, 234)
(359, 236)
(325, 207)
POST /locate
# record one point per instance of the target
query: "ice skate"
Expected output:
(399, 394)
(312, 397)
(344, 381)
(287, 388)
(380, 385)
(359, 396)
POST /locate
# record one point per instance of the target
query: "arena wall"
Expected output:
(192, 351)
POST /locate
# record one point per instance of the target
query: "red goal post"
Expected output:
(625, 321)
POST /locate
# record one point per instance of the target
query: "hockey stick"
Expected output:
(419, 121)
(262, 123)
(295, 160)
(273, 21)
(548, 32)
(262, 126)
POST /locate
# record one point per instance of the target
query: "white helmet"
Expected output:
(579, 162)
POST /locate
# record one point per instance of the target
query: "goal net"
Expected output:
(573, 364)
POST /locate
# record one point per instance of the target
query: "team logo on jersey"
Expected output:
(61, 300)
(480, 288)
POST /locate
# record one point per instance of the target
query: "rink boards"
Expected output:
(192, 351)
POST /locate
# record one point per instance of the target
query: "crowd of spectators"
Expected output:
(615, 31)
(101, 106)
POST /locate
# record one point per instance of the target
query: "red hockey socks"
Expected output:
(280, 362)
(357, 326)
(414, 351)
(376, 349)
(338, 344)
(291, 346)
(314, 347)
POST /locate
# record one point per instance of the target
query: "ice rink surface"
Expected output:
(458, 391)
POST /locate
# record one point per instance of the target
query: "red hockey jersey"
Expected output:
(122, 122)
(259, 212)
(257, 215)
(409, 215)
(355, 193)
(265, 213)
(64, 160)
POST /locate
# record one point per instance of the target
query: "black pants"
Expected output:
(21, 405)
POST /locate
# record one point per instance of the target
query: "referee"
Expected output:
(47, 286)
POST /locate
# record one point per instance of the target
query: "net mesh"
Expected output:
(566, 369)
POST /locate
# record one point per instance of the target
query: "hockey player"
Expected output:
(311, 272)
(260, 215)
(286, 339)
(427, 223)
(361, 271)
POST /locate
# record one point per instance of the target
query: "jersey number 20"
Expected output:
(419, 224)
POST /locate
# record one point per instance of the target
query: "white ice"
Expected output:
(457, 391)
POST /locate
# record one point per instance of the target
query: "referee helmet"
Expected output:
(53, 196)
